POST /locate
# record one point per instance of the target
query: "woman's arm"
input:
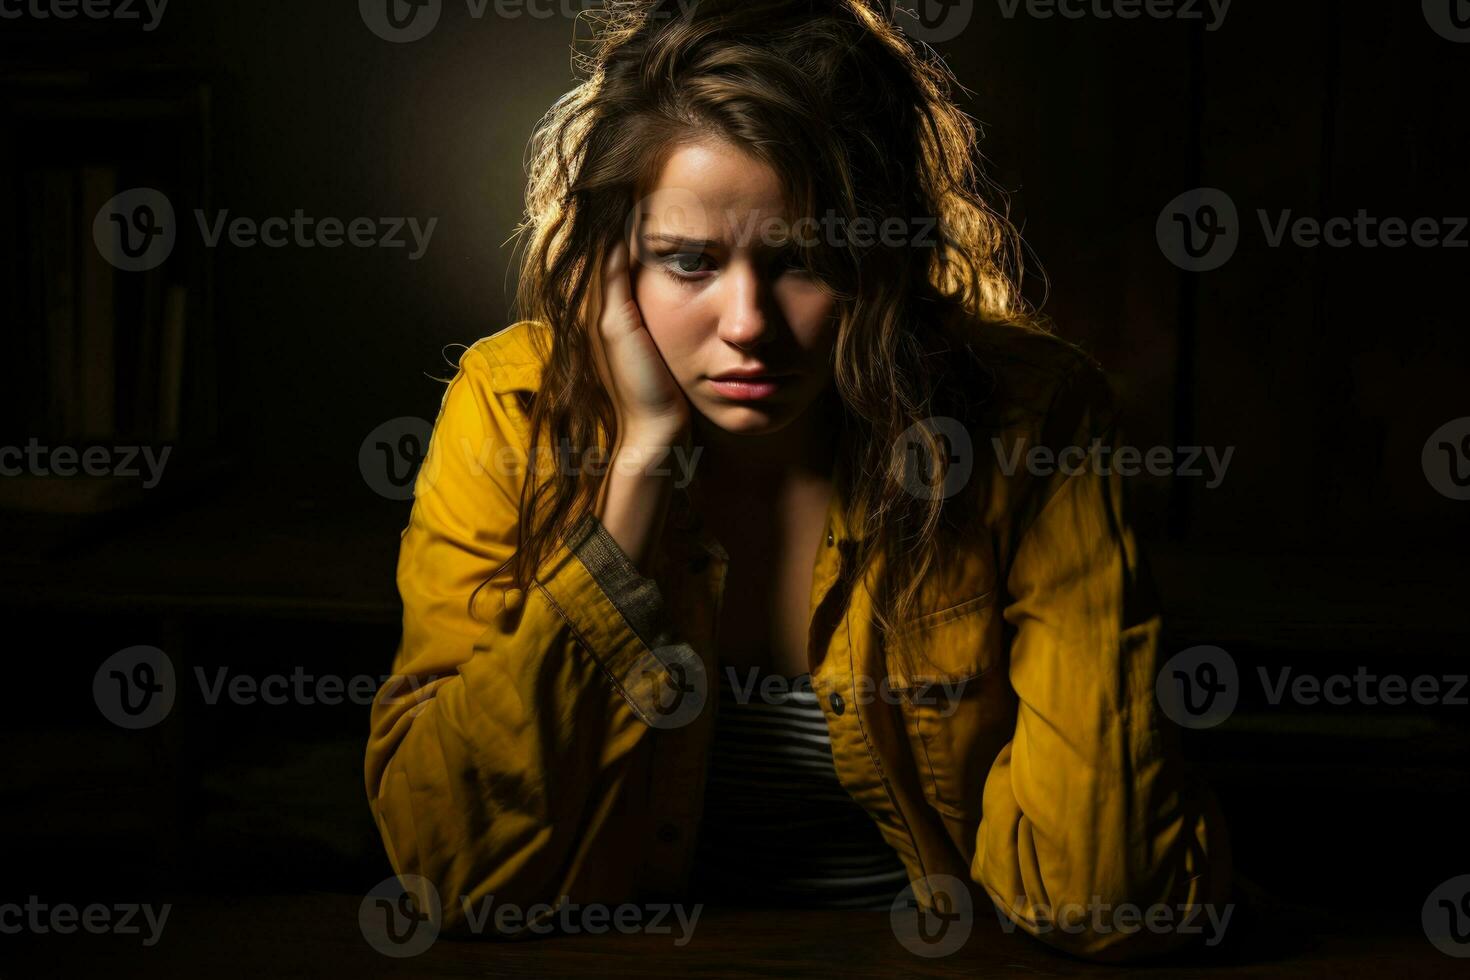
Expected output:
(500, 745)
(1090, 807)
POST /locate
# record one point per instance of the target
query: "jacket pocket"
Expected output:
(950, 644)
(956, 700)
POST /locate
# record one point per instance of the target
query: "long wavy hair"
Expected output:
(855, 119)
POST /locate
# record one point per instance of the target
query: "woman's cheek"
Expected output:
(675, 325)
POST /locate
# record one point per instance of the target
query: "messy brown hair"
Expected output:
(854, 117)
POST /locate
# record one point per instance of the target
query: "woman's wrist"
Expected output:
(634, 499)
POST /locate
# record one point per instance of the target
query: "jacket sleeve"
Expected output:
(1090, 811)
(500, 744)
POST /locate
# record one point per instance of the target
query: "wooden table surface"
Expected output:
(320, 935)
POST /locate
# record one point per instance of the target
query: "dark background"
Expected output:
(1326, 548)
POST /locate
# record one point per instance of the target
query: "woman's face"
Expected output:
(721, 289)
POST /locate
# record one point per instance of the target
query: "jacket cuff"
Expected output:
(636, 596)
(620, 617)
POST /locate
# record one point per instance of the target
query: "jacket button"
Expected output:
(829, 539)
(837, 703)
(698, 563)
(668, 833)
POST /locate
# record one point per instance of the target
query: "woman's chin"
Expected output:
(755, 419)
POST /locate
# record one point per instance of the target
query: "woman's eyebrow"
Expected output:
(679, 241)
(661, 238)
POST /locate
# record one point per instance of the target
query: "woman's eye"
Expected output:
(686, 263)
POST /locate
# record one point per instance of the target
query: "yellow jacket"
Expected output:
(526, 751)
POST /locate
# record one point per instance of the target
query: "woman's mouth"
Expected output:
(752, 387)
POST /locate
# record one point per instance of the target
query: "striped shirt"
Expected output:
(778, 828)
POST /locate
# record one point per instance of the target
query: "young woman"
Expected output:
(732, 574)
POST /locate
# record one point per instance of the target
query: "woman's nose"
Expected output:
(746, 317)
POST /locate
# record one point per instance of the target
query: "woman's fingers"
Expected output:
(619, 315)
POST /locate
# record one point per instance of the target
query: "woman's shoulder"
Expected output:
(1023, 378)
(511, 358)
